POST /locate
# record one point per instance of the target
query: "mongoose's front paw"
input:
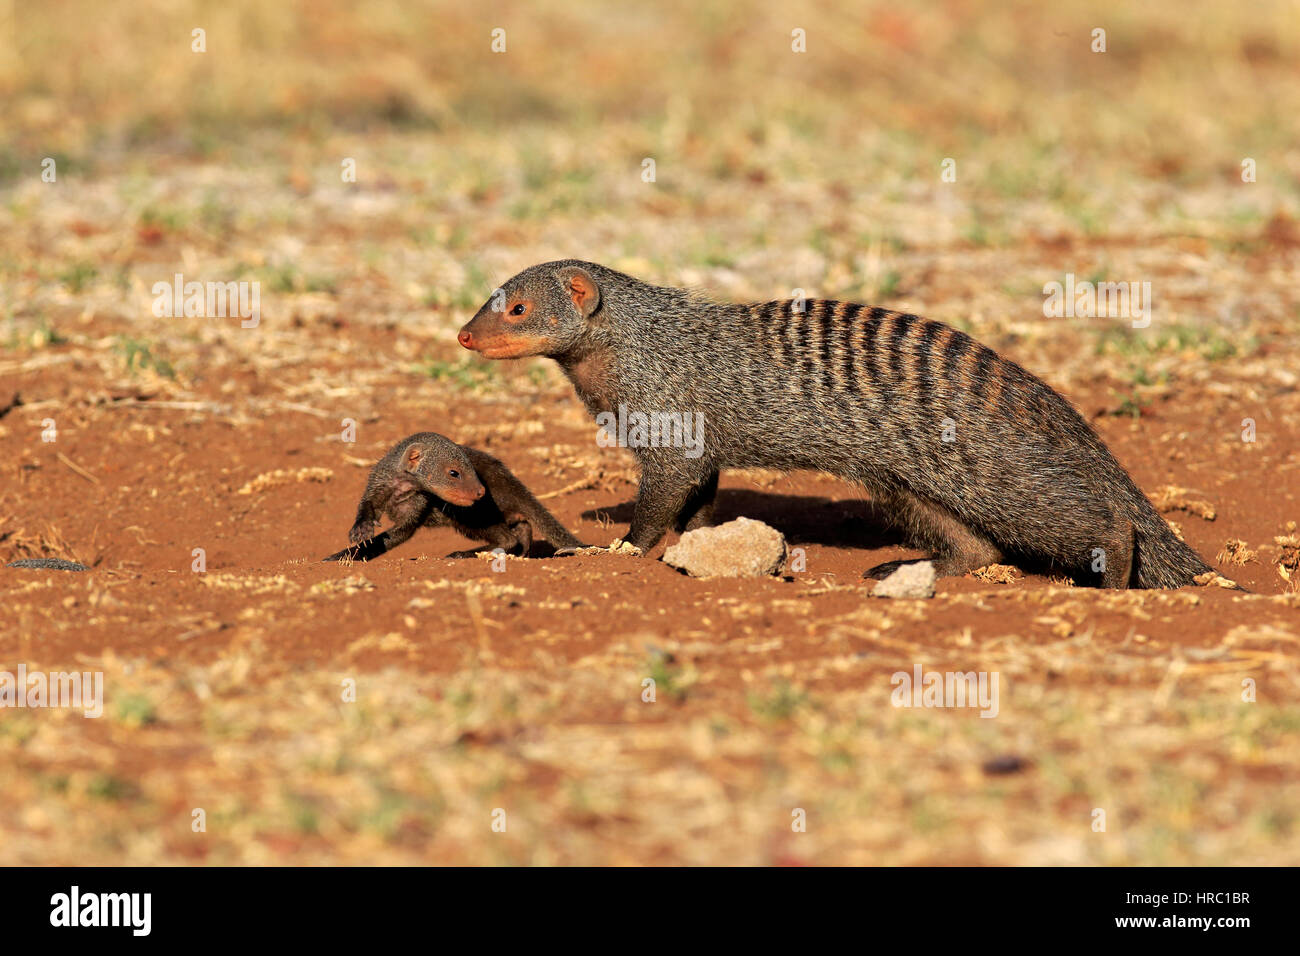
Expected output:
(362, 531)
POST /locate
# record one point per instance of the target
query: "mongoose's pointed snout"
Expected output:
(464, 487)
(466, 338)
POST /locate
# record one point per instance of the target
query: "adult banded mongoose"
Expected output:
(978, 460)
(428, 481)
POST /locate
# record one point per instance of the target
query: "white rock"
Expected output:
(909, 581)
(743, 548)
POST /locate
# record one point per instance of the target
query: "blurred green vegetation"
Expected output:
(1183, 91)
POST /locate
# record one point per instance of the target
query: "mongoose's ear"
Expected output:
(582, 289)
(413, 455)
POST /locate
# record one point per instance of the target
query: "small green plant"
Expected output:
(283, 279)
(1206, 342)
(463, 374)
(288, 279)
(1134, 402)
(977, 234)
(137, 355)
(715, 257)
(214, 215)
(161, 217)
(659, 667)
(1140, 375)
(78, 275)
(778, 704)
(303, 812)
(889, 284)
(105, 786)
(322, 283)
(136, 710)
(388, 813)
(42, 335)
(1130, 405)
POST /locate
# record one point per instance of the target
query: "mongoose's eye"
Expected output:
(453, 473)
(519, 309)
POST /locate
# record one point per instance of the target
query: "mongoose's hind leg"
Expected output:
(954, 546)
(522, 532)
(515, 537)
(698, 512)
(1118, 555)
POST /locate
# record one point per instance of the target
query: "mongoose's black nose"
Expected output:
(481, 492)
(466, 339)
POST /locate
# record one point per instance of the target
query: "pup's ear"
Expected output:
(582, 289)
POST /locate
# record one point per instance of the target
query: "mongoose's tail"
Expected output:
(1160, 559)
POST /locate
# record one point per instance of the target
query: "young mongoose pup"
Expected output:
(978, 460)
(428, 481)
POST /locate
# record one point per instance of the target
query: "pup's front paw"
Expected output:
(362, 531)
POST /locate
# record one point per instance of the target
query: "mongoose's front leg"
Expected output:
(372, 546)
(660, 500)
(366, 524)
(698, 512)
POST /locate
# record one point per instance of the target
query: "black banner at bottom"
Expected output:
(330, 906)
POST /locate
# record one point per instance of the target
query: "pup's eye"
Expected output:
(453, 473)
(519, 309)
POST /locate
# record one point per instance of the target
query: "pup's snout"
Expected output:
(466, 338)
